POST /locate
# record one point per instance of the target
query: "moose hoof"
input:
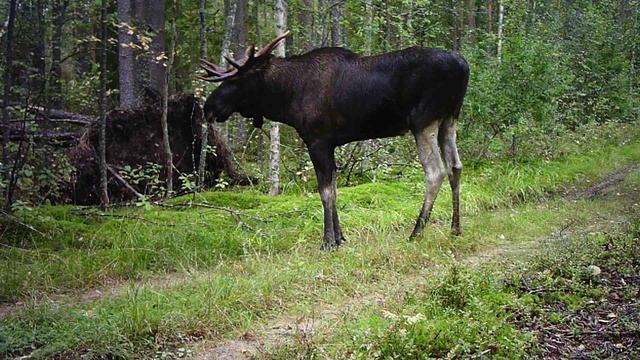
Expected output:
(328, 246)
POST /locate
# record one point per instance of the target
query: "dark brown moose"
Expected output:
(332, 96)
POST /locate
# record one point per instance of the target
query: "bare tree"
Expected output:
(274, 163)
(102, 134)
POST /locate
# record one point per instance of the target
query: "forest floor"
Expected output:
(546, 267)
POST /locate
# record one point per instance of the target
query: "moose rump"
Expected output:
(332, 96)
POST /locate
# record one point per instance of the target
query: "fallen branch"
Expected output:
(124, 182)
(56, 114)
(17, 221)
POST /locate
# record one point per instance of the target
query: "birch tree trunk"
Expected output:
(230, 7)
(204, 126)
(126, 58)
(7, 97)
(166, 145)
(102, 134)
(260, 143)
(500, 28)
(240, 42)
(367, 145)
(274, 163)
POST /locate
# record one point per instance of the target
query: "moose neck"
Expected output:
(278, 91)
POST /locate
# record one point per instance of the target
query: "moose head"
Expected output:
(242, 81)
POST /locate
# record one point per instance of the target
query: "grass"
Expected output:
(548, 304)
(203, 272)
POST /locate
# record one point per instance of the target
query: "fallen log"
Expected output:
(65, 139)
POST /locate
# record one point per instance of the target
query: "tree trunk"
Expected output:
(260, 147)
(155, 19)
(7, 97)
(337, 33)
(500, 28)
(490, 16)
(274, 166)
(60, 8)
(230, 7)
(166, 145)
(323, 9)
(202, 12)
(306, 23)
(240, 43)
(126, 57)
(369, 44)
(470, 21)
(102, 141)
(204, 127)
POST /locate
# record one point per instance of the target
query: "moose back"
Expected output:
(332, 96)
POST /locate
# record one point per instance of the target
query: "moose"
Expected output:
(332, 96)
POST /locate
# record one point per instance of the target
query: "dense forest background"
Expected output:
(539, 69)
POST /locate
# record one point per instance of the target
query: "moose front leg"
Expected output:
(429, 155)
(324, 163)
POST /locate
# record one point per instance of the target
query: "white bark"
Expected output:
(500, 28)
(229, 23)
(166, 144)
(274, 163)
(204, 126)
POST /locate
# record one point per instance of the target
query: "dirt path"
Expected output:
(300, 328)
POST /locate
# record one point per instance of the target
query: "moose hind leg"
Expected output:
(430, 158)
(454, 169)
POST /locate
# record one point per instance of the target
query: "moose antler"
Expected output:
(216, 73)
